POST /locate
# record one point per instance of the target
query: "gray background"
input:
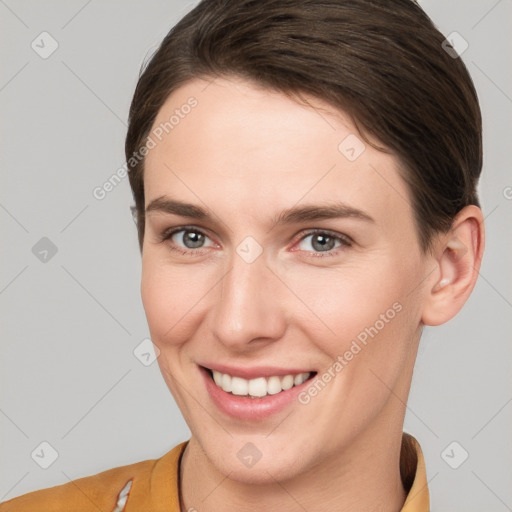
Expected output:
(70, 324)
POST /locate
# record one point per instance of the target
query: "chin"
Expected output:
(261, 473)
(255, 460)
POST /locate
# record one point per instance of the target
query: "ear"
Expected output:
(458, 255)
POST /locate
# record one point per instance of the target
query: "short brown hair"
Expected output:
(383, 62)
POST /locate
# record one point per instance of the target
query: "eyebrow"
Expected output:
(292, 215)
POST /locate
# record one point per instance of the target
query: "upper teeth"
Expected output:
(258, 387)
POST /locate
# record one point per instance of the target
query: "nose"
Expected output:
(249, 310)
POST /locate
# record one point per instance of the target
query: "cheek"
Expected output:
(374, 318)
(367, 315)
(172, 299)
(348, 300)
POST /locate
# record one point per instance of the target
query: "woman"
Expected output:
(304, 175)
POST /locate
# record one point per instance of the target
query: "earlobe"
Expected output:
(458, 260)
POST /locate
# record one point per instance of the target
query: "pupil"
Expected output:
(326, 242)
(192, 239)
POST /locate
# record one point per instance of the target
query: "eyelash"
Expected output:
(344, 239)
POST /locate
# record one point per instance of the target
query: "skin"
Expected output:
(245, 154)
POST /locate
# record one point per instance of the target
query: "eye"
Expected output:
(186, 239)
(189, 240)
(324, 242)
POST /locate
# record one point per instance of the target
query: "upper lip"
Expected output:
(254, 371)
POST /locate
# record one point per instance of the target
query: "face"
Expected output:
(278, 248)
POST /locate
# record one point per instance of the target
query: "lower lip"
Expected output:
(251, 409)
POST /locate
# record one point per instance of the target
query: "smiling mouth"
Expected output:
(259, 387)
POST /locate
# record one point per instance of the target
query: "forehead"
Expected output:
(235, 145)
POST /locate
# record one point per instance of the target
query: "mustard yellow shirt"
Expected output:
(152, 486)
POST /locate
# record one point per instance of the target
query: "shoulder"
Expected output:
(91, 493)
